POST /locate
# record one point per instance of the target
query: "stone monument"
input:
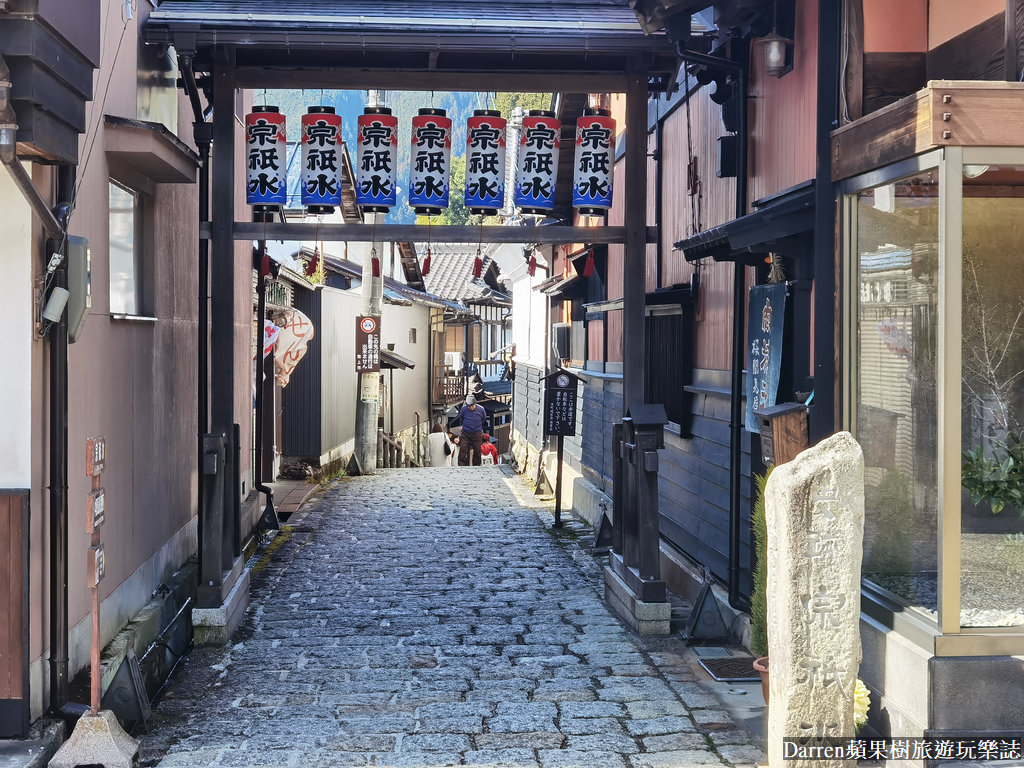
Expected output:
(815, 517)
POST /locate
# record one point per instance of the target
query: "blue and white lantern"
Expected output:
(430, 163)
(266, 182)
(537, 163)
(595, 162)
(321, 160)
(376, 160)
(485, 162)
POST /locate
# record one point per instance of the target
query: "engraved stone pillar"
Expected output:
(815, 515)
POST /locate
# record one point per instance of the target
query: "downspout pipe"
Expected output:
(202, 133)
(59, 625)
(268, 521)
(739, 70)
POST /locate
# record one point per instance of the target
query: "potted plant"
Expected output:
(759, 593)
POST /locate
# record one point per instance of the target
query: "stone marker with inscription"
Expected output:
(815, 516)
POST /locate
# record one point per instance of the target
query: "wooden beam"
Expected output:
(353, 78)
(416, 233)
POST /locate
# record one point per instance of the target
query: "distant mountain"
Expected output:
(404, 105)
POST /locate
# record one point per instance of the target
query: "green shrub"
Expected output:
(996, 481)
(759, 595)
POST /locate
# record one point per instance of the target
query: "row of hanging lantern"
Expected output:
(430, 162)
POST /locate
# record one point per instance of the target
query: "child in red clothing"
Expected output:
(488, 450)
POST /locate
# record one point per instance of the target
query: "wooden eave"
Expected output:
(963, 113)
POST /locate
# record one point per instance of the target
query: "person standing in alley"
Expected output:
(438, 447)
(473, 419)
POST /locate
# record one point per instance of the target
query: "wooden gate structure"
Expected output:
(561, 46)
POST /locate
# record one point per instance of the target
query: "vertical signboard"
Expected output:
(766, 315)
(560, 420)
(368, 344)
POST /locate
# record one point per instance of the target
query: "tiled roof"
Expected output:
(451, 275)
(434, 36)
(396, 292)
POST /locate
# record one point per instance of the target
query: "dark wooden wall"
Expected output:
(14, 693)
(301, 399)
(693, 482)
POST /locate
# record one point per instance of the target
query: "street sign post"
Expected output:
(368, 344)
(560, 420)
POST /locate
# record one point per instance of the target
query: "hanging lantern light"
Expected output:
(321, 161)
(595, 161)
(485, 162)
(537, 166)
(430, 163)
(266, 175)
(376, 158)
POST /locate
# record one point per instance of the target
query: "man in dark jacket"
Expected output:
(474, 418)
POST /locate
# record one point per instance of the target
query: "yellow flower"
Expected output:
(861, 702)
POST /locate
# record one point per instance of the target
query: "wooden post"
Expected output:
(558, 486)
(95, 460)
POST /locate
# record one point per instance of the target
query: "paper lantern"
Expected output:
(485, 162)
(376, 159)
(430, 162)
(321, 159)
(266, 177)
(537, 165)
(595, 162)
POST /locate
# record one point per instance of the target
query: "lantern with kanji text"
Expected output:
(376, 158)
(430, 162)
(537, 165)
(266, 176)
(321, 159)
(595, 162)
(485, 162)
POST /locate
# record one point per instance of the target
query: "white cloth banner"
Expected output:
(296, 332)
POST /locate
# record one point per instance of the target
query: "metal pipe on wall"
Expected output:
(59, 627)
(739, 70)
(202, 132)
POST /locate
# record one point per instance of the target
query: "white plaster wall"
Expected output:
(16, 256)
(529, 315)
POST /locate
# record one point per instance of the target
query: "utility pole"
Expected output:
(368, 394)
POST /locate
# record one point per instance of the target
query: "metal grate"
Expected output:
(731, 669)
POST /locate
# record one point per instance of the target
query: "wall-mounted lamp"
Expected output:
(778, 50)
(778, 54)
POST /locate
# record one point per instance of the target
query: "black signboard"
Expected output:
(560, 404)
(367, 343)
(764, 359)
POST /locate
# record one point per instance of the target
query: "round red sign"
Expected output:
(368, 325)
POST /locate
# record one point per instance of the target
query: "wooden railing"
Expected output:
(451, 389)
(391, 453)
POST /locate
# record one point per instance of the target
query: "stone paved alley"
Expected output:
(429, 618)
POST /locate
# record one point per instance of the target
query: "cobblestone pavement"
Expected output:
(428, 618)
